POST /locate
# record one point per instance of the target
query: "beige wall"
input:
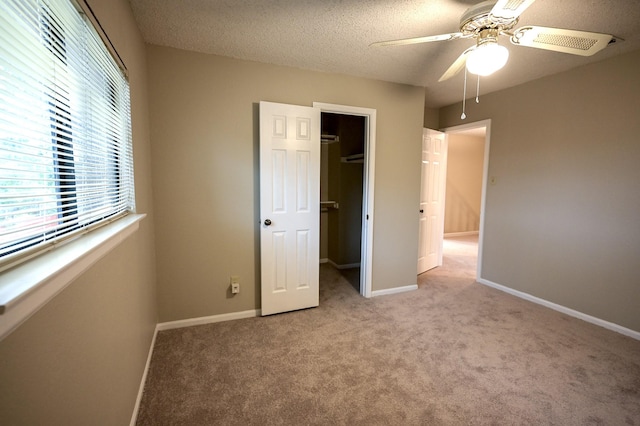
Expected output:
(80, 359)
(465, 158)
(205, 171)
(431, 116)
(562, 218)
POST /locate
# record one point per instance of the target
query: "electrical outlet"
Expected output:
(235, 284)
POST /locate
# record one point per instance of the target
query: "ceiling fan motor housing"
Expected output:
(478, 18)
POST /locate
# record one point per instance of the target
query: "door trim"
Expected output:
(485, 178)
(366, 253)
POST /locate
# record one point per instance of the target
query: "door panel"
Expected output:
(431, 222)
(289, 207)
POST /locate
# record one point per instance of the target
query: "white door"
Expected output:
(434, 176)
(289, 207)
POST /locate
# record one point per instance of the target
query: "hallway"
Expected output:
(460, 259)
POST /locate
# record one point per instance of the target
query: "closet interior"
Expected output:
(341, 193)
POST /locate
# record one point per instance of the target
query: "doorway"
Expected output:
(290, 162)
(341, 188)
(358, 160)
(467, 170)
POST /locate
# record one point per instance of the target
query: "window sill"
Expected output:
(29, 286)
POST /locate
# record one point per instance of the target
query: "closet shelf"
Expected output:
(356, 158)
(326, 205)
(329, 138)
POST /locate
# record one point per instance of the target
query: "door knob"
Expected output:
(421, 210)
(267, 222)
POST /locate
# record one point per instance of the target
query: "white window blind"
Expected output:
(66, 161)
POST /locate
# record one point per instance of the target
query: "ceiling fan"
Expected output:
(488, 20)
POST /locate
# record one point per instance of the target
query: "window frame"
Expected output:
(29, 280)
(84, 174)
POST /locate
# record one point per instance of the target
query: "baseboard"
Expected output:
(208, 320)
(325, 260)
(344, 266)
(577, 314)
(461, 234)
(136, 407)
(394, 290)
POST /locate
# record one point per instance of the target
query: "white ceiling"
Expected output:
(334, 36)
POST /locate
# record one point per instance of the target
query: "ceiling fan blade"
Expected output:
(509, 10)
(457, 65)
(427, 39)
(581, 43)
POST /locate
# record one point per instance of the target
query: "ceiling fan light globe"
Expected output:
(487, 59)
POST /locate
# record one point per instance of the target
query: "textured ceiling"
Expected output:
(334, 36)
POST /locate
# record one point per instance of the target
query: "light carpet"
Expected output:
(453, 352)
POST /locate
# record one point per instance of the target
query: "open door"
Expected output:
(432, 193)
(289, 207)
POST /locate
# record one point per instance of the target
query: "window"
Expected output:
(66, 161)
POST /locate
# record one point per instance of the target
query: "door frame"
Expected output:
(486, 124)
(366, 250)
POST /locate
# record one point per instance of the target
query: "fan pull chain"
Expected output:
(478, 91)
(464, 95)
